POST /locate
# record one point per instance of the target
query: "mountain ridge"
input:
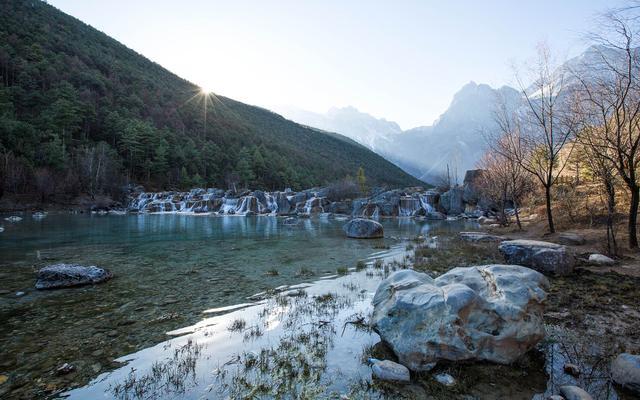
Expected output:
(70, 93)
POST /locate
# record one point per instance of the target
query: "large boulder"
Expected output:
(67, 275)
(361, 228)
(451, 201)
(543, 256)
(471, 185)
(491, 313)
(625, 371)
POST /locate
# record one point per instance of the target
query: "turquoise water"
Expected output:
(168, 269)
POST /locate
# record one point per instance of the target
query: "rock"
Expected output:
(574, 393)
(451, 201)
(291, 221)
(389, 371)
(625, 371)
(486, 221)
(65, 368)
(491, 312)
(572, 369)
(445, 379)
(67, 275)
(555, 397)
(435, 216)
(13, 218)
(543, 256)
(20, 294)
(361, 228)
(284, 206)
(480, 237)
(571, 238)
(600, 259)
(471, 185)
(3, 379)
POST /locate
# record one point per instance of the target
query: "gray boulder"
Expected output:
(284, 206)
(480, 237)
(389, 371)
(67, 275)
(491, 312)
(361, 228)
(625, 371)
(600, 259)
(452, 202)
(574, 393)
(543, 256)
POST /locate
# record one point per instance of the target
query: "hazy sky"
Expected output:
(401, 60)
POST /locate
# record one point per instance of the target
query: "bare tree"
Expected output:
(608, 91)
(503, 180)
(535, 135)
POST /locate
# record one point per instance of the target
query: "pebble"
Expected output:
(97, 353)
(112, 333)
(445, 379)
(20, 294)
(65, 369)
(572, 369)
(387, 370)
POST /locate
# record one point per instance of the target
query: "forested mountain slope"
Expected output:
(81, 112)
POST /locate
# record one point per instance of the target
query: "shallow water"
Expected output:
(168, 269)
(180, 319)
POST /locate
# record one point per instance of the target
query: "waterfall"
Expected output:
(408, 206)
(314, 202)
(228, 206)
(426, 201)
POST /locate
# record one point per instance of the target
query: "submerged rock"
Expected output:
(480, 237)
(67, 275)
(574, 393)
(600, 259)
(389, 371)
(625, 371)
(543, 256)
(361, 228)
(491, 312)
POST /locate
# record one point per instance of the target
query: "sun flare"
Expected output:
(205, 90)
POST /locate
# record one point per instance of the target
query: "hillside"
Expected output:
(81, 112)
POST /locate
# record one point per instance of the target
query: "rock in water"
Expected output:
(361, 228)
(574, 393)
(543, 256)
(600, 259)
(67, 275)
(625, 371)
(490, 312)
(389, 370)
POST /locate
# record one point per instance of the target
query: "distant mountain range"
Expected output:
(457, 138)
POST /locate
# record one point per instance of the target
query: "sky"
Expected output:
(401, 60)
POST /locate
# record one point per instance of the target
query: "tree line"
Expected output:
(81, 113)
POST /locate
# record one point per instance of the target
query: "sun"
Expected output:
(205, 89)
